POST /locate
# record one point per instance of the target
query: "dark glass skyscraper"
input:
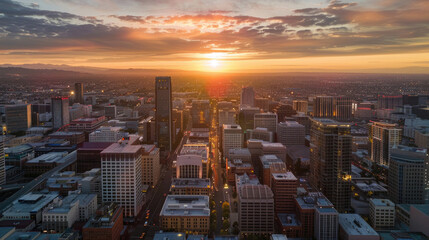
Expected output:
(78, 90)
(163, 113)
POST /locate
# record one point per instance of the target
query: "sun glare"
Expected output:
(214, 63)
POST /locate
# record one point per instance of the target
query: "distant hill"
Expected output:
(47, 74)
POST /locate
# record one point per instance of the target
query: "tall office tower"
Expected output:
(178, 117)
(2, 162)
(266, 120)
(110, 111)
(163, 114)
(407, 175)
(284, 187)
(283, 111)
(330, 161)
(300, 106)
(18, 117)
(290, 133)
(246, 117)
(323, 107)
(382, 137)
(200, 113)
(389, 102)
(326, 223)
(121, 173)
(60, 112)
(232, 137)
(226, 116)
(78, 91)
(256, 209)
(343, 108)
(262, 103)
(247, 96)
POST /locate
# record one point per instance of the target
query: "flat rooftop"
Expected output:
(191, 183)
(62, 133)
(288, 219)
(186, 205)
(169, 236)
(278, 237)
(121, 148)
(382, 202)
(18, 149)
(50, 157)
(355, 225)
(284, 176)
(32, 202)
(256, 192)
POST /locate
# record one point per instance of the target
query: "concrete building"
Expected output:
(382, 137)
(2, 163)
(290, 133)
(284, 187)
(18, 117)
(110, 111)
(87, 125)
(163, 114)
(107, 134)
(73, 137)
(421, 138)
(260, 134)
(419, 218)
(30, 206)
(247, 96)
(106, 225)
(200, 113)
(89, 156)
(326, 223)
(408, 174)
(119, 160)
(189, 166)
(256, 209)
(264, 168)
(266, 120)
(330, 161)
(200, 149)
(227, 116)
(186, 213)
(381, 213)
(354, 227)
(151, 169)
(44, 163)
(191, 186)
(246, 116)
(60, 112)
(240, 153)
(232, 137)
(18, 155)
(237, 167)
(339, 107)
(300, 106)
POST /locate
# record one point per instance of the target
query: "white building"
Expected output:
(121, 174)
(189, 166)
(382, 137)
(291, 133)
(151, 166)
(107, 134)
(232, 137)
(354, 227)
(226, 116)
(381, 213)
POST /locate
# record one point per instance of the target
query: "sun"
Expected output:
(214, 63)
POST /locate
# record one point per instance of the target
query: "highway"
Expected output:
(30, 186)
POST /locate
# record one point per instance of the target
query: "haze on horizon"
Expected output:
(223, 36)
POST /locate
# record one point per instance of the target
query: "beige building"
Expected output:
(190, 186)
(150, 165)
(189, 214)
(381, 213)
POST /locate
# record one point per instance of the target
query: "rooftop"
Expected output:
(18, 149)
(312, 200)
(395, 235)
(382, 202)
(284, 176)
(63, 133)
(191, 182)
(256, 192)
(186, 205)
(278, 237)
(266, 160)
(354, 224)
(290, 124)
(50, 157)
(287, 219)
(169, 236)
(122, 148)
(32, 202)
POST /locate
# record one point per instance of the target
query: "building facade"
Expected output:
(163, 114)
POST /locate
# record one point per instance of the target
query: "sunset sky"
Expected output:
(218, 35)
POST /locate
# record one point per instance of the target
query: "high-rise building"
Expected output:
(330, 161)
(256, 209)
(232, 137)
(290, 133)
(246, 117)
(60, 112)
(408, 175)
(18, 117)
(284, 187)
(284, 110)
(78, 91)
(266, 120)
(121, 174)
(382, 137)
(389, 102)
(323, 107)
(247, 96)
(300, 106)
(326, 223)
(151, 168)
(343, 108)
(2, 162)
(200, 113)
(226, 116)
(163, 114)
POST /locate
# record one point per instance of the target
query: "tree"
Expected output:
(226, 224)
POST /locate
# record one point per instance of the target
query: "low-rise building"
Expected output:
(190, 186)
(73, 137)
(354, 227)
(44, 163)
(237, 167)
(186, 213)
(381, 213)
(106, 225)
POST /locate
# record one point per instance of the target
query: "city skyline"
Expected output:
(240, 36)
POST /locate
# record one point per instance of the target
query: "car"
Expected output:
(165, 194)
(142, 236)
(145, 224)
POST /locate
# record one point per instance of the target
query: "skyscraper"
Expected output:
(78, 91)
(60, 111)
(407, 176)
(232, 137)
(339, 107)
(343, 108)
(330, 160)
(163, 114)
(290, 133)
(323, 107)
(300, 106)
(266, 120)
(18, 117)
(382, 137)
(247, 96)
(121, 172)
(2, 161)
